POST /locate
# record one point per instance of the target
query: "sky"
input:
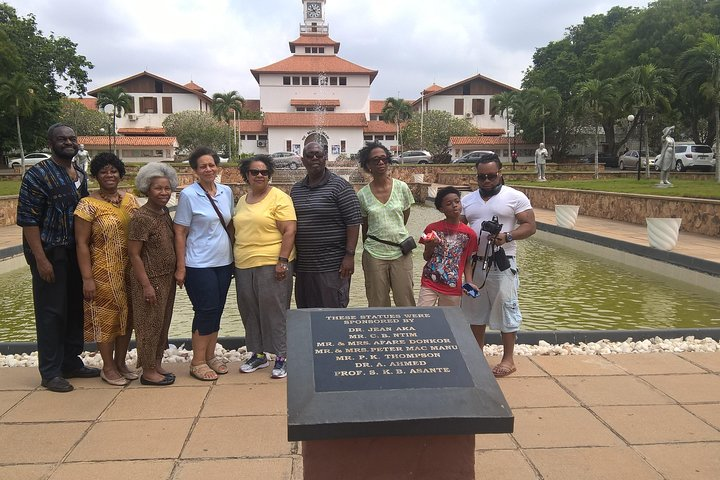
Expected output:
(215, 43)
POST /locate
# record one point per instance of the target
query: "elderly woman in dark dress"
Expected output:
(152, 256)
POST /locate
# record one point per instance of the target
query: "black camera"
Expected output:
(493, 227)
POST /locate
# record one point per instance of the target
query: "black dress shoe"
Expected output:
(83, 372)
(57, 384)
(165, 381)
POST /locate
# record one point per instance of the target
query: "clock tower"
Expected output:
(314, 13)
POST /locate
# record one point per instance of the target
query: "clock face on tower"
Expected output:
(314, 10)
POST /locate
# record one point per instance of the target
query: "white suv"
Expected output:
(693, 156)
(415, 156)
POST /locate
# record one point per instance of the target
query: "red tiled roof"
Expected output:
(482, 140)
(250, 126)
(194, 86)
(310, 119)
(314, 64)
(95, 92)
(100, 140)
(297, 102)
(314, 41)
(432, 88)
(491, 131)
(88, 102)
(376, 126)
(150, 131)
(376, 106)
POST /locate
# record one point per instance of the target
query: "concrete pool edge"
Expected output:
(529, 337)
(695, 271)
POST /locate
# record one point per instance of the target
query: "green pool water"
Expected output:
(559, 290)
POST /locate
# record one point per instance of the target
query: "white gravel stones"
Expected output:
(175, 354)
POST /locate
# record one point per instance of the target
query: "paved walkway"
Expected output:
(649, 416)
(635, 416)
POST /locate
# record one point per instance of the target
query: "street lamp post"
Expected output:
(102, 132)
(641, 121)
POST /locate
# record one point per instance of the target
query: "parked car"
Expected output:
(629, 160)
(472, 157)
(608, 159)
(415, 156)
(30, 159)
(690, 155)
(289, 160)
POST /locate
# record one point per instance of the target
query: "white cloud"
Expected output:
(412, 43)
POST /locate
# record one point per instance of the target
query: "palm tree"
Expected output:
(502, 103)
(701, 71)
(396, 110)
(598, 95)
(120, 101)
(18, 95)
(543, 102)
(647, 89)
(224, 107)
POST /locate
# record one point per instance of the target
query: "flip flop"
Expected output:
(501, 370)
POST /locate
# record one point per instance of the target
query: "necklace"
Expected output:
(116, 201)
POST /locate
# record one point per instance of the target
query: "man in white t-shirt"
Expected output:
(497, 304)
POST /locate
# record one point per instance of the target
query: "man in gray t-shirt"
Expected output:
(541, 155)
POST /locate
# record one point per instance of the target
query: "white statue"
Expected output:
(667, 155)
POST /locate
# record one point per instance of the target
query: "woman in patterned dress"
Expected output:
(101, 232)
(152, 283)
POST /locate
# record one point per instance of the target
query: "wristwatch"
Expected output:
(508, 237)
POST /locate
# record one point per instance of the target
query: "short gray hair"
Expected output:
(151, 171)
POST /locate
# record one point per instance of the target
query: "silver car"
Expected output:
(415, 156)
(629, 160)
(289, 160)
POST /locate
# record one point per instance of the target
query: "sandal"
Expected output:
(502, 370)
(201, 372)
(218, 366)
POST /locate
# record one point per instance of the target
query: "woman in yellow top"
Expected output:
(101, 233)
(265, 225)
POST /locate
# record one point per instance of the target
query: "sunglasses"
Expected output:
(314, 155)
(255, 172)
(379, 159)
(491, 176)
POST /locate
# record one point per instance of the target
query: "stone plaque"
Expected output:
(388, 372)
(358, 350)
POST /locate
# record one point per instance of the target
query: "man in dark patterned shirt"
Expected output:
(328, 223)
(49, 193)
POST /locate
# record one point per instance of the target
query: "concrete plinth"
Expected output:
(422, 457)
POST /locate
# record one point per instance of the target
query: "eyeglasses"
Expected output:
(383, 159)
(314, 155)
(490, 176)
(255, 172)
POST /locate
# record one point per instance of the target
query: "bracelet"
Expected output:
(350, 252)
(283, 259)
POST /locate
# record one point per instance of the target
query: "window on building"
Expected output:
(342, 146)
(343, 80)
(148, 105)
(478, 106)
(307, 49)
(252, 137)
(242, 137)
(459, 106)
(321, 49)
(288, 145)
(333, 80)
(329, 109)
(389, 137)
(286, 80)
(305, 80)
(167, 105)
(296, 80)
(262, 137)
(158, 86)
(132, 105)
(466, 89)
(314, 80)
(368, 138)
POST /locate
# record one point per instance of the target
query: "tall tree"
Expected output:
(83, 120)
(598, 96)
(439, 126)
(193, 129)
(701, 71)
(19, 95)
(48, 62)
(120, 101)
(397, 111)
(502, 103)
(544, 103)
(225, 107)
